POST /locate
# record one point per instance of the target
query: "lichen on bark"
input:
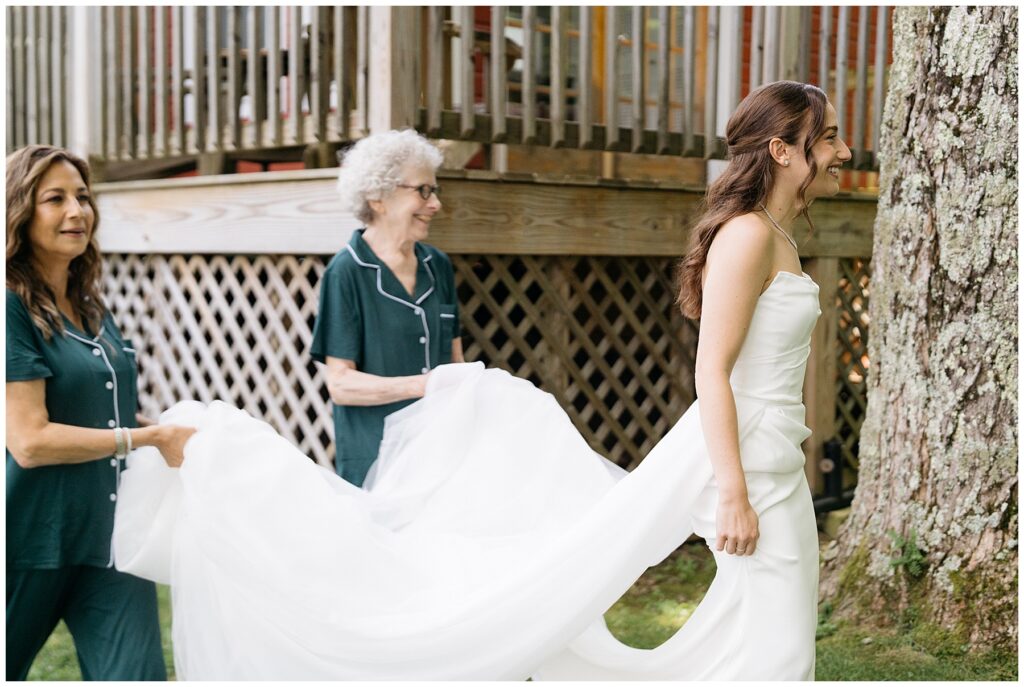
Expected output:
(938, 448)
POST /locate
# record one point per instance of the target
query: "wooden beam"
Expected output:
(485, 212)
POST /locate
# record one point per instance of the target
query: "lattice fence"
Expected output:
(851, 387)
(601, 334)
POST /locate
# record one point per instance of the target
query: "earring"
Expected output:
(785, 163)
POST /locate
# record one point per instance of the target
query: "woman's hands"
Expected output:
(170, 441)
(736, 524)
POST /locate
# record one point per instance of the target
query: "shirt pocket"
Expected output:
(449, 325)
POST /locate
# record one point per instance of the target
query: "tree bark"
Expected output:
(931, 542)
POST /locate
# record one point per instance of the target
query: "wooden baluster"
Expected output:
(638, 59)
(529, 92)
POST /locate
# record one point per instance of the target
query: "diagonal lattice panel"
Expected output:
(852, 298)
(602, 334)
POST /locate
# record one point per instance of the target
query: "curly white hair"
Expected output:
(373, 167)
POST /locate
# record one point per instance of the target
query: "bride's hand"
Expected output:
(736, 523)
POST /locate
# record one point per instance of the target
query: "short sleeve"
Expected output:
(338, 331)
(25, 360)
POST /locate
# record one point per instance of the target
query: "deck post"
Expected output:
(393, 64)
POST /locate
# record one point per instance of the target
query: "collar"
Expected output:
(389, 286)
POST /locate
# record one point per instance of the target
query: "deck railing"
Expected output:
(273, 81)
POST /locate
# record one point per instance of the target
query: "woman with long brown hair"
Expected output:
(71, 420)
(490, 538)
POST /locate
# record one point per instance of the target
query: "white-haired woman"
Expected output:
(388, 310)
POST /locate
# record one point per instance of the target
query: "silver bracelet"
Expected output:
(128, 436)
(119, 446)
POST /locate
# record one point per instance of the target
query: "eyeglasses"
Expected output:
(424, 190)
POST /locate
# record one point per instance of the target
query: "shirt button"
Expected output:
(95, 351)
(423, 339)
(110, 423)
(416, 311)
(113, 497)
(113, 462)
(109, 385)
(425, 370)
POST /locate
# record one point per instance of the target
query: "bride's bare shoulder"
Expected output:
(743, 235)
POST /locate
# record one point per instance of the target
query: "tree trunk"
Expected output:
(931, 542)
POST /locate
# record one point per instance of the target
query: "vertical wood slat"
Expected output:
(160, 90)
(254, 84)
(842, 65)
(756, 46)
(343, 86)
(318, 95)
(295, 74)
(878, 97)
(664, 80)
(199, 121)
(145, 79)
(128, 112)
(234, 96)
(363, 67)
(711, 84)
(689, 80)
(860, 97)
(770, 41)
(585, 90)
(214, 74)
(10, 90)
(435, 66)
(529, 75)
(734, 58)
(274, 75)
(114, 42)
(59, 52)
(499, 86)
(467, 121)
(639, 78)
(178, 80)
(804, 49)
(102, 145)
(31, 75)
(559, 71)
(824, 47)
(611, 80)
(42, 57)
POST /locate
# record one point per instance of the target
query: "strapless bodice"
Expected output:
(771, 363)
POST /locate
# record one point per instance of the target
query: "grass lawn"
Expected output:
(658, 605)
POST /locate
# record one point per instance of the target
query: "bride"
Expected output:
(489, 538)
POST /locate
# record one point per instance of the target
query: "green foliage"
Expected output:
(911, 559)
(825, 627)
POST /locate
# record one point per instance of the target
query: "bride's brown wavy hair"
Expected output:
(783, 109)
(25, 168)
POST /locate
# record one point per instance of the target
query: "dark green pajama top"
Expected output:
(367, 316)
(61, 515)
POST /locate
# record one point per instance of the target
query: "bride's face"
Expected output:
(829, 153)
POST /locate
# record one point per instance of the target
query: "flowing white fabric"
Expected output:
(489, 540)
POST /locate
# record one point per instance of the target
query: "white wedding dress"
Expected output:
(490, 538)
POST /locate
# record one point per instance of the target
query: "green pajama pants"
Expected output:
(112, 617)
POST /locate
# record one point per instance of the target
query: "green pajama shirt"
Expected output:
(366, 315)
(60, 517)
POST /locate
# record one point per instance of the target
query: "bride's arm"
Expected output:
(738, 265)
(348, 386)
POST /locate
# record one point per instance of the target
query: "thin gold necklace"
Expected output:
(776, 224)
